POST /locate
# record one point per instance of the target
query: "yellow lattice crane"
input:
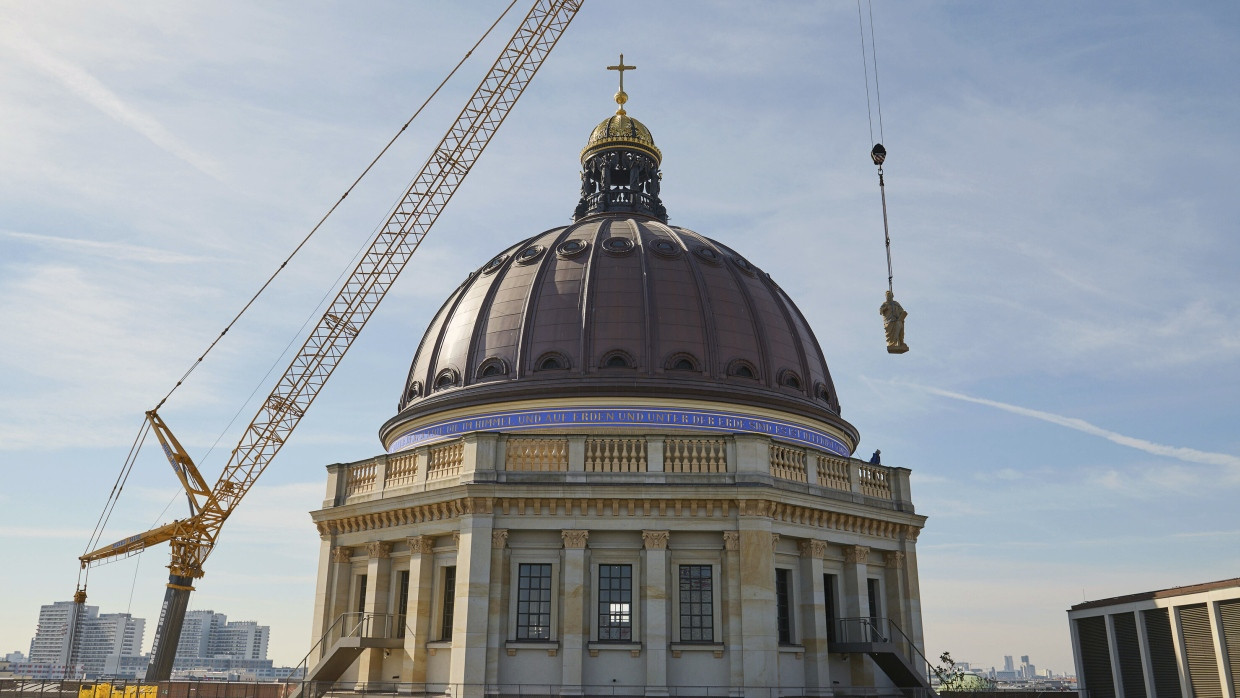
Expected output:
(193, 538)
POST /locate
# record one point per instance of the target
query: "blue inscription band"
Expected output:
(698, 420)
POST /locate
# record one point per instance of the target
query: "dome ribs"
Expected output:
(498, 331)
(616, 318)
(737, 335)
(548, 320)
(706, 319)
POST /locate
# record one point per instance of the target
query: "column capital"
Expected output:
(893, 559)
(858, 554)
(380, 550)
(575, 539)
(342, 554)
(813, 548)
(421, 545)
(731, 540)
(655, 540)
(499, 538)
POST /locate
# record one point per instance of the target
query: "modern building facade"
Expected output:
(1172, 643)
(73, 640)
(619, 461)
(206, 634)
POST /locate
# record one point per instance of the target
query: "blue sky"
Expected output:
(1061, 183)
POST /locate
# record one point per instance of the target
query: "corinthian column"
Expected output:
(655, 617)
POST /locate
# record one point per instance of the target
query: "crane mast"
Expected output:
(192, 539)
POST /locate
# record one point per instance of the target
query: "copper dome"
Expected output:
(619, 305)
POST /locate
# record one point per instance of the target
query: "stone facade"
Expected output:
(701, 552)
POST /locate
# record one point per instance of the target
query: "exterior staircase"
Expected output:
(346, 639)
(893, 651)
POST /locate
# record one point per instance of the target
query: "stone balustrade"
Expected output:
(645, 459)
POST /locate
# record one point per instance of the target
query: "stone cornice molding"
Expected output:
(655, 540)
(731, 540)
(695, 508)
(421, 545)
(342, 554)
(499, 538)
(379, 550)
(575, 539)
(894, 559)
(814, 549)
(858, 554)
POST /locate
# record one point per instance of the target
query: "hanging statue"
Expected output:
(893, 324)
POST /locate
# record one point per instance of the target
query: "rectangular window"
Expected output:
(449, 602)
(828, 587)
(615, 603)
(534, 602)
(402, 604)
(361, 593)
(697, 604)
(871, 589)
(783, 605)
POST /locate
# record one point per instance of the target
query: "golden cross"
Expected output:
(621, 68)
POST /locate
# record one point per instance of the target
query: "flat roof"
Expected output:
(1160, 594)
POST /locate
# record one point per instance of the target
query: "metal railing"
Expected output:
(369, 625)
(883, 631)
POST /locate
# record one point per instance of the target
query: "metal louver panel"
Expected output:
(1131, 677)
(1163, 663)
(1095, 657)
(1229, 611)
(1199, 646)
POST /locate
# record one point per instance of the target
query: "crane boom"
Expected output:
(193, 539)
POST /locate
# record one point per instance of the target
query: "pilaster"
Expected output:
(378, 588)
(335, 599)
(421, 571)
(654, 454)
(657, 612)
(760, 652)
(497, 616)
(813, 619)
(732, 611)
(472, 604)
(574, 622)
(857, 605)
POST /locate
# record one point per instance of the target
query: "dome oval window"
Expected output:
(744, 265)
(821, 392)
(571, 248)
(494, 265)
(618, 245)
(707, 254)
(414, 391)
(530, 254)
(665, 248)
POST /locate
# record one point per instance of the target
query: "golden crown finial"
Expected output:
(621, 97)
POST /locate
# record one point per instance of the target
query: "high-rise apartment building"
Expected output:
(210, 635)
(72, 640)
(1008, 665)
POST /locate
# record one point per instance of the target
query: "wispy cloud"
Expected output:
(94, 92)
(113, 250)
(1188, 455)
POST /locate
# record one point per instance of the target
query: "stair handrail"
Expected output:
(364, 620)
(874, 632)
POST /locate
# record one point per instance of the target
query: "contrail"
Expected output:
(86, 86)
(1188, 455)
(111, 250)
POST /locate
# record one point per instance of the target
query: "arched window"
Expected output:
(552, 361)
(682, 361)
(446, 378)
(617, 359)
(789, 379)
(493, 366)
(740, 368)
